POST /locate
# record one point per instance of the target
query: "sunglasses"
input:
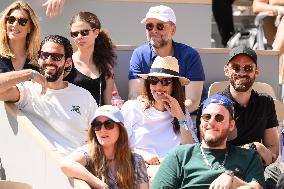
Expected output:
(159, 26)
(164, 81)
(21, 21)
(97, 125)
(218, 117)
(82, 32)
(54, 56)
(237, 68)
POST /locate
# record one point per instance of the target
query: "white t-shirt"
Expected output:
(63, 115)
(150, 130)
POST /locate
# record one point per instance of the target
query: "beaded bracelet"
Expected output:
(182, 122)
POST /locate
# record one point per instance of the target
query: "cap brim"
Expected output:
(156, 17)
(183, 80)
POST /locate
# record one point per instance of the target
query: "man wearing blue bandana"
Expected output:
(213, 163)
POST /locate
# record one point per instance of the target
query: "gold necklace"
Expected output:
(211, 166)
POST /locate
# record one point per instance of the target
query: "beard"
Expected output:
(243, 87)
(217, 141)
(159, 43)
(52, 77)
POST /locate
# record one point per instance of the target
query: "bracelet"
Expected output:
(33, 74)
(182, 122)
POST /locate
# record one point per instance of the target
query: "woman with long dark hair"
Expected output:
(107, 161)
(157, 121)
(94, 59)
(19, 38)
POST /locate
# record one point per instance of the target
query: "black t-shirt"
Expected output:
(95, 86)
(251, 121)
(7, 66)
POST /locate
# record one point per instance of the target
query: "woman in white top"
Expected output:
(156, 122)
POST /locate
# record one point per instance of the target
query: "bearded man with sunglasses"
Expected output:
(213, 163)
(60, 110)
(160, 25)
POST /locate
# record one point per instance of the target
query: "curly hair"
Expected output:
(32, 39)
(68, 50)
(123, 158)
(178, 93)
(104, 55)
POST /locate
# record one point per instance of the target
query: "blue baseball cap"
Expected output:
(112, 112)
(220, 99)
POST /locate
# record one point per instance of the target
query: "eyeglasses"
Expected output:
(237, 68)
(159, 26)
(97, 125)
(218, 117)
(54, 56)
(82, 32)
(21, 21)
(164, 81)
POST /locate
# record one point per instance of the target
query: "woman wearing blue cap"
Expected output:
(107, 161)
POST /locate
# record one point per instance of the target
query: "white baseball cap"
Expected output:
(112, 112)
(162, 13)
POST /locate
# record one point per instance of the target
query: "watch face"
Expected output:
(229, 172)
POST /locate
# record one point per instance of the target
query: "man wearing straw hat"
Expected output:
(160, 24)
(60, 110)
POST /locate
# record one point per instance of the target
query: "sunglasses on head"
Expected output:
(54, 56)
(97, 125)
(82, 32)
(21, 21)
(237, 68)
(218, 117)
(164, 81)
(159, 26)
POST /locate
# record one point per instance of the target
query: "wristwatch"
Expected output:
(230, 173)
(252, 146)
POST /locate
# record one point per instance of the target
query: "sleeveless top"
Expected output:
(95, 86)
(7, 66)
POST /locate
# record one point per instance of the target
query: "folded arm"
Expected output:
(74, 166)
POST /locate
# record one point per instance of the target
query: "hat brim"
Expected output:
(183, 80)
(156, 17)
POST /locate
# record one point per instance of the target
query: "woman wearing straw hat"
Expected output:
(156, 122)
(107, 161)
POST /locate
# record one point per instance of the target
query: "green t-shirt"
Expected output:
(184, 167)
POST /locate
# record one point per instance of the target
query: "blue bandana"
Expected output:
(220, 99)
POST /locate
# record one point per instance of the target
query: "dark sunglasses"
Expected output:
(164, 81)
(218, 117)
(237, 68)
(82, 32)
(21, 21)
(97, 125)
(159, 26)
(54, 56)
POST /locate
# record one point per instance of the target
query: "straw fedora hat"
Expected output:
(165, 67)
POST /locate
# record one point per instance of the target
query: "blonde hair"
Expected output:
(33, 38)
(123, 157)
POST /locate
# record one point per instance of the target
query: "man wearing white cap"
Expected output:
(160, 24)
